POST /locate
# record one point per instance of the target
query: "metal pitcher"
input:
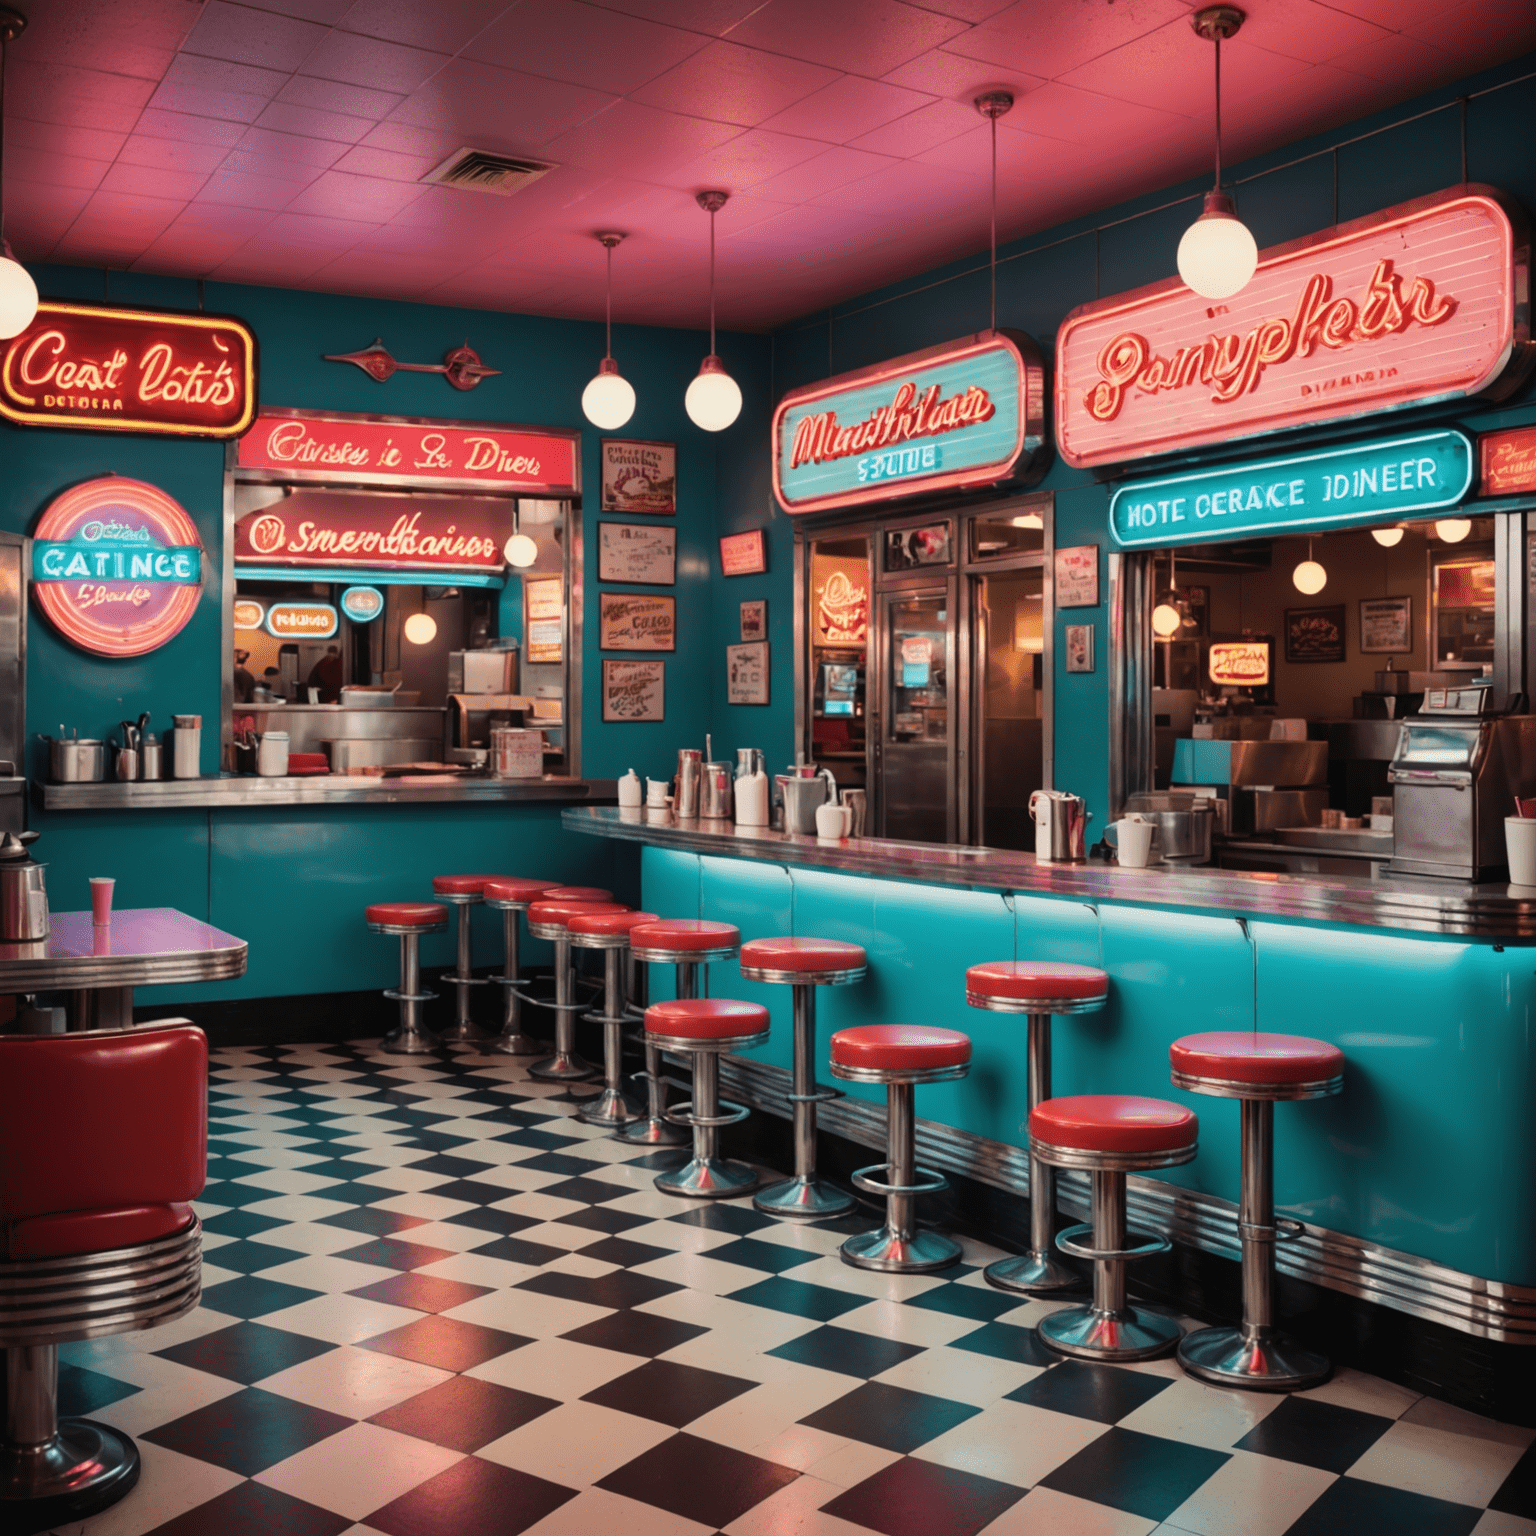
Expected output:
(801, 797)
(23, 898)
(690, 763)
(749, 760)
(716, 793)
(1061, 826)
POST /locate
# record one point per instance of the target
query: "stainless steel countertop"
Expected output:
(1414, 903)
(319, 789)
(140, 947)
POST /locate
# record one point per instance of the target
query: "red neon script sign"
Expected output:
(354, 450)
(468, 539)
(130, 370)
(1508, 461)
(819, 438)
(1407, 306)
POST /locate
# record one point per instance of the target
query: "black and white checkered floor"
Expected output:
(436, 1305)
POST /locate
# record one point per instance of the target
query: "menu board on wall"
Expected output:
(543, 600)
(634, 690)
(639, 476)
(636, 622)
(1077, 577)
(639, 554)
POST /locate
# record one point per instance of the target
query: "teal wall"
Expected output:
(1041, 278)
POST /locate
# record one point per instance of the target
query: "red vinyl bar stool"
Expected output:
(409, 919)
(706, 1028)
(609, 932)
(1040, 989)
(1257, 1070)
(463, 892)
(1110, 1135)
(804, 964)
(547, 918)
(510, 896)
(651, 1128)
(103, 1144)
(900, 1056)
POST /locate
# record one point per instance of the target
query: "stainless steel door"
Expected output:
(915, 729)
(1008, 710)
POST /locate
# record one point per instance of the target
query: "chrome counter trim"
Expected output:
(1412, 903)
(1485, 1309)
(321, 789)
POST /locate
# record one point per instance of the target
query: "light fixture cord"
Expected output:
(994, 221)
(1218, 112)
(608, 344)
(5, 54)
(711, 282)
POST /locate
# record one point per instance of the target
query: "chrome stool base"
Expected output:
(652, 1131)
(1128, 1333)
(611, 1108)
(899, 1253)
(563, 1067)
(410, 1037)
(518, 1044)
(1262, 1362)
(803, 1199)
(1028, 1273)
(465, 1033)
(85, 1468)
(709, 1178)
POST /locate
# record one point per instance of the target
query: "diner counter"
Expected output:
(1496, 912)
(246, 791)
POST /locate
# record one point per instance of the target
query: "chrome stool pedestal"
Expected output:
(409, 920)
(463, 892)
(1040, 990)
(1258, 1070)
(609, 933)
(901, 1056)
(651, 1128)
(510, 897)
(547, 919)
(804, 964)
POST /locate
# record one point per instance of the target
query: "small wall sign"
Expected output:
(744, 554)
(1240, 663)
(640, 554)
(754, 619)
(1079, 638)
(1386, 625)
(747, 673)
(639, 476)
(362, 604)
(634, 690)
(636, 622)
(1077, 577)
(1314, 634)
(1508, 461)
(249, 614)
(302, 621)
(543, 611)
(130, 370)
(117, 566)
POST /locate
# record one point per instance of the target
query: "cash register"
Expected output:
(1462, 759)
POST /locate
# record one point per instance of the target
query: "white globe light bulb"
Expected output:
(713, 400)
(609, 400)
(421, 629)
(521, 551)
(1453, 530)
(1309, 577)
(1387, 537)
(1166, 620)
(1217, 255)
(18, 297)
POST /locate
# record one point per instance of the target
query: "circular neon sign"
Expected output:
(117, 566)
(362, 604)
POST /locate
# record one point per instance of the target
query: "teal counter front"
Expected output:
(1415, 1188)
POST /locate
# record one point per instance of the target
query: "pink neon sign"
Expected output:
(1413, 304)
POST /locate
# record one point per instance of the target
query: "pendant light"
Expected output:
(1217, 255)
(18, 293)
(1166, 618)
(713, 400)
(1452, 530)
(421, 629)
(1310, 578)
(993, 105)
(520, 550)
(1388, 538)
(609, 400)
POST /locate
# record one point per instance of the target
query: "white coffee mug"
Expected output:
(1132, 841)
(656, 793)
(834, 821)
(1520, 842)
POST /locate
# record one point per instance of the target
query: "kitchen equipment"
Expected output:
(690, 767)
(488, 671)
(1186, 825)
(515, 753)
(151, 758)
(1520, 845)
(127, 765)
(752, 794)
(272, 755)
(1061, 826)
(750, 760)
(857, 801)
(187, 746)
(23, 897)
(801, 796)
(1131, 838)
(715, 795)
(630, 792)
(73, 761)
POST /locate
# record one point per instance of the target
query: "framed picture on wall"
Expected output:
(543, 600)
(744, 554)
(639, 476)
(636, 621)
(1386, 625)
(638, 554)
(1079, 647)
(747, 673)
(634, 691)
(1077, 577)
(754, 619)
(1315, 634)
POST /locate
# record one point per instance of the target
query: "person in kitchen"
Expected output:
(245, 684)
(325, 675)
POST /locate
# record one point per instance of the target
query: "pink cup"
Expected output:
(101, 900)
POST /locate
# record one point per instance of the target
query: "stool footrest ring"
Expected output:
(1284, 1230)
(602, 1018)
(821, 1095)
(928, 1182)
(463, 981)
(1067, 1241)
(682, 1113)
(396, 995)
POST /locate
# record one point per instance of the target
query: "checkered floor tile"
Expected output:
(436, 1305)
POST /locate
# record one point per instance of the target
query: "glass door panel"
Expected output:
(840, 584)
(1008, 755)
(916, 796)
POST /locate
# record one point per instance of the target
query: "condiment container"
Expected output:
(690, 763)
(630, 792)
(271, 754)
(23, 899)
(752, 798)
(517, 753)
(187, 746)
(151, 758)
(715, 796)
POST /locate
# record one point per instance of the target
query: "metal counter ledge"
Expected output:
(1496, 912)
(245, 791)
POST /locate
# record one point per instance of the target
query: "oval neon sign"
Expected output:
(302, 621)
(249, 614)
(362, 604)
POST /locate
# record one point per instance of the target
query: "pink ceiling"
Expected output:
(284, 141)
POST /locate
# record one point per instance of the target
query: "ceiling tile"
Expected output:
(202, 218)
(1304, 29)
(630, 139)
(125, 216)
(498, 109)
(1491, 27)
(1396, 56)
(355, 197)
(1052, 38)
(847, 108)
(924, 129)
(61, 139)
(127, 40)
(284, 117)
(152, 181)
(244, 190)
(444, 26)
(1395, 15)
(44, 165)
(952, 75)
(582, 44)
(223, 75)
(327, 12)
(1083, 117)
(332, 96)
(89, 98)
(249, 36)
(366, 160)
(830, 169)
(747, 159)
(715, 17)
(269, 153)
(193, 101)
(38, 214)
(191, 129)
(733, 84)
(873, 36)
(309, 229)
(372, 62)
(171, 154)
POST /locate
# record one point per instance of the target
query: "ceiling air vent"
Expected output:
(481, 171)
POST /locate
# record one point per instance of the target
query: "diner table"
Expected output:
(99, 966)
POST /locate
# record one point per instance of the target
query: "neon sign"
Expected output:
(362, 604)
(1333, 488)
(466, 539)
(130, 370)
(1421, 302)
(117, 566)
(967, 413)
(1508, 461)
(843, 608)
(302, 621)
(249, 614)
(1240, 663)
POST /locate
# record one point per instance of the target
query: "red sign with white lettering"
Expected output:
(467, 540)
(1508, 461)
(1421, 302)
(350, 450)
(130, 370)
